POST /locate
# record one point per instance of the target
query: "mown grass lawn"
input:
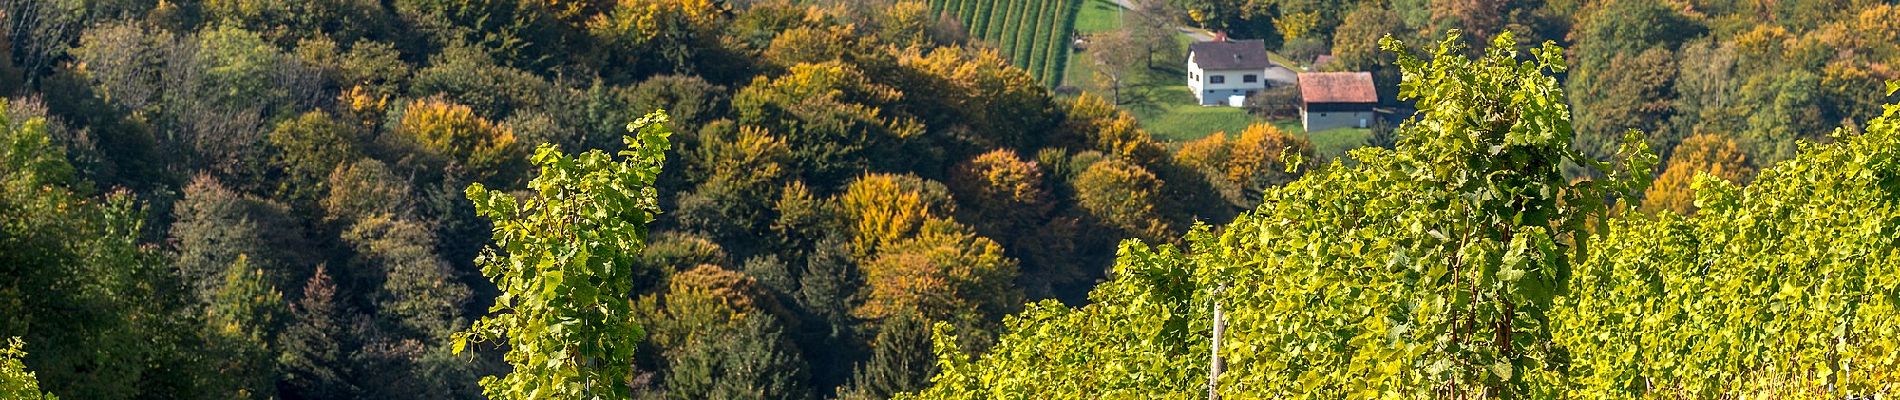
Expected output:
(1098, 16)
(1095, 16)
(1328, 144)
(1191, 122)
(1334, 143)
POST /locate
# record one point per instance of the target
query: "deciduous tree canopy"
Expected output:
(272, 199)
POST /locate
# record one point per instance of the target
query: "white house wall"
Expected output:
(1194, 78)
(1319, 121)
(1208, 93)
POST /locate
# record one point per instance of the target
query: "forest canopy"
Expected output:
(862, 199)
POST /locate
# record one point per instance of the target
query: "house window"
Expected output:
(1217, 79)
(1249, 78)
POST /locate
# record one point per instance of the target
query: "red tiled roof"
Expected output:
(1337, 87)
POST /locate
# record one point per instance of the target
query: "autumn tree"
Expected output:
(658, 36)
(308, 148)
(1245, 167)
(1355, 46)
(909, 23)
(944, 272)
(1014, 201)
(1709, 154)
(1482, 18)
(1003, 106)
(1098, 125)
(813, 44)
(363, 189)
(453, 134)
(562, 256)
(1123, 196)
(1006, 194)
(885, 209)
(1356, 43)
(830, 117)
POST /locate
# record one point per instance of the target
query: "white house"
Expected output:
(1221, 72)
(1336, 100)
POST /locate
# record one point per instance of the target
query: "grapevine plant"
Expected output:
(563, 259)
(1464, 264)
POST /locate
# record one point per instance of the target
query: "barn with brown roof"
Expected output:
(1331, 100)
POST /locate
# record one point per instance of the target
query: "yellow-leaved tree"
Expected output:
(1714, 155)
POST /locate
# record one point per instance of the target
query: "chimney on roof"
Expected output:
(1220, 36)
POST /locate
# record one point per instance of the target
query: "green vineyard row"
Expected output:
(1033, 34)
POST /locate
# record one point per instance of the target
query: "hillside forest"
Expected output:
(870, 199)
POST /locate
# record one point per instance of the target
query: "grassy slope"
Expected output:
(1097, 16)
(1334, 143)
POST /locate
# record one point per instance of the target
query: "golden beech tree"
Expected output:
(945, 272)
(811, 45)
(1102, 126)
(642, 20)
(885, 209)
(1003, 105)
(1002, 189)
(1714, 155)
(453, 130)
(1123, 195)
(1244, 167)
